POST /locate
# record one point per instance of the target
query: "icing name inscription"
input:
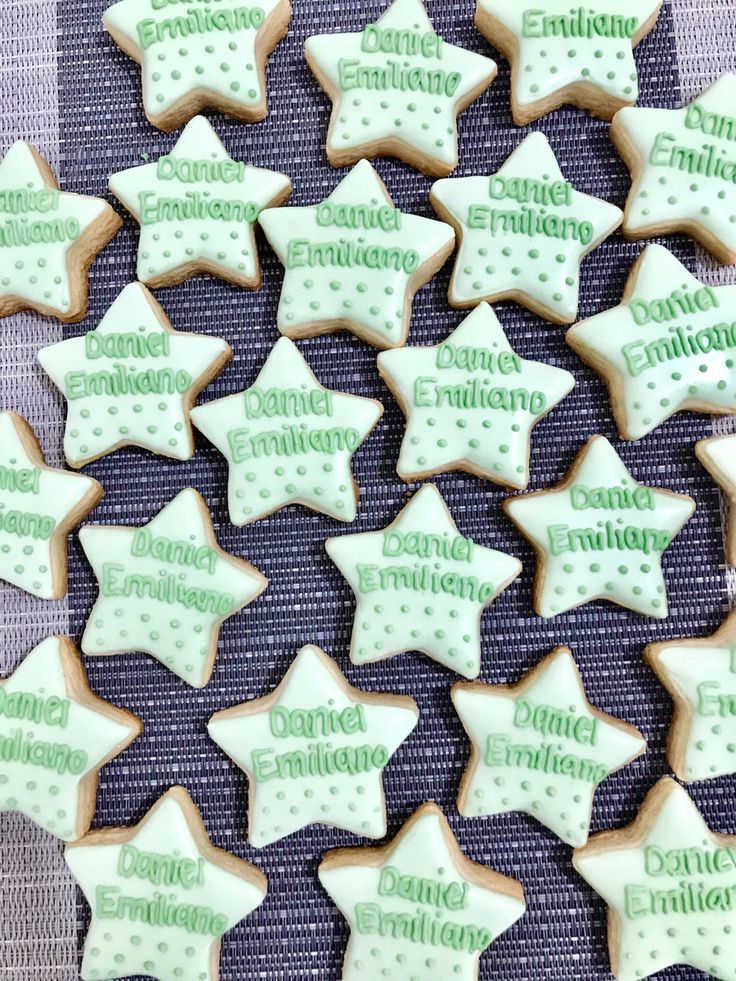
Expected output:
(714, 702)
(578, 23)
(19, 231)
(23, 524)
(685, 896)
(24, 747)
(533, 218)
(196, 20)
(709, 159)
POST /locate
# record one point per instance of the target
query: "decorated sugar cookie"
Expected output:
(197, 208)
(471, 402)
(132, 380)
(48, 238)
(354, 261)
(199, 56)
(700, 675)
(288, 440)
(418, 908)
(669, 883)
(540, 747)
(165, 588)
(39, 506)
(718, 456)
(397, 88)
(421, 585)
(314, 750)
(522, 233)
(600, 535)
(162, 896)
(55, 737)
(563, 54)
(669, 346)
(683, 169)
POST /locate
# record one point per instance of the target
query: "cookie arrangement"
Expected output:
(314, 749)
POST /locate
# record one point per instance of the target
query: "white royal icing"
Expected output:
(471, 402)
(718, 456)
(523, 232)
(420, 585)
(314, 750)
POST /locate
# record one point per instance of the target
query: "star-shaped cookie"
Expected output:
(197, 208)
(288, 440)
(523, 233)
(562, 54)
(420, 585)
(718, 456)
(162, 896)
(700, 675)
(681, 169)
(39, 506)
(49, 238)
(540, 747)
(600, 535)
(397, 88)
(165, 588)
(314, 750)
(132, 380)
(667, 347)
(449, 909)
(471, 402)
(55, 737)
(668, 881)
(354, 261)
(199, 56)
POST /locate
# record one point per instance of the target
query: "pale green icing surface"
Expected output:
(675, 866)
(602, 537)
(313, 755)
(215, 51)
(562, 43)
(49, 742)
(164, 589)
(351, 258)
(706, 678)
(472, 402)
(541, 751)
(719, 455)
(688, 170)
(197, 204)
(128, 381)
(163, 867)
(523, 229)
(672, 342)
(420, 585)
(464, 919)
(288, 440)
(33, 502)
(38, 229)
(397, 80)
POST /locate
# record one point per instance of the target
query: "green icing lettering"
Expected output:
(26, 524)
(529, 222)
(290, 441)
(552, 721)
(528, 190)
(422, 579)
(610, 536)
(161, 911)
(477, 394)
(416, 889)
(126, 380)
(194, 206)
(169, 589)
(20, 480)
(197, 21)
(544, 758)
(671, 307)
(50, 711)
(188, 171)
(680, 342)
(318, 760)
(302, 253)
(160, 869)
(710, 123)
(427, 545)
(353, 74)
(398, 41)
(15, 233)
(580, 22)
(269, 402)
(130, 344)
(708, 161)
(23, 747)
(21, 201)
(473, 359)
(320, 721)
(174, 551)
(420, 928)
(723, 705)
(611, 498)
(358, 216)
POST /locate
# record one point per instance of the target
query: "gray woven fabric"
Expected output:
(297, 934)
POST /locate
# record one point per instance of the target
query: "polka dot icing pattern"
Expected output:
(288, 440)
(39, 506)
(314, 750)
(198, 57)
(700, 675)
(718, 456)
(540, 747)
(354, 261)
(162, 896)
(471, 402)
(421, 585)
(453, 907)
(600, 535)
(668, 881)
(45, 236)
(397, 88)
(683, 169)
(566, 54)
(197, 208)
(131, 381)
(55, 735)
(165, 588)
(670, 345)
(523, 233)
